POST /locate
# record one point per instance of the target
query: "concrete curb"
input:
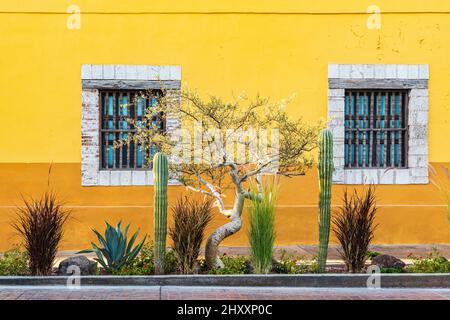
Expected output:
(436, 280)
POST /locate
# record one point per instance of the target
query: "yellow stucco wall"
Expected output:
(276, 48)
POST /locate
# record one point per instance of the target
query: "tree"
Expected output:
(223, 145)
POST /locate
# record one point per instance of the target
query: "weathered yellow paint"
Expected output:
(276, 48)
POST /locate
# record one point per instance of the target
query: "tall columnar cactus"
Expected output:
(160, 176)
(325, 175)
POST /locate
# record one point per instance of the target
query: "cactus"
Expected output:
(160, 176)
(325, 175)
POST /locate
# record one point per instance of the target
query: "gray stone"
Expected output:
(387, 261)
(87, 267)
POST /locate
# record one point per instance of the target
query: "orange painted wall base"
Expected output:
(407, 213)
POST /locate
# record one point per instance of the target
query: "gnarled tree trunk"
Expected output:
(224, 231)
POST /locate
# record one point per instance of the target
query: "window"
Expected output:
(112, 106)
(376, 128)
(118, 107)
(378, 114)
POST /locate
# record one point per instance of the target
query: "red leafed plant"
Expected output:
(190, 218)
(354, 228)
(40, 223)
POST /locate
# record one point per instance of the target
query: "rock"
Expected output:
(87, 267)
(387, 261)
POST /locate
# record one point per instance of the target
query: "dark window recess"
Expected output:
(117, 107)
(376, 128)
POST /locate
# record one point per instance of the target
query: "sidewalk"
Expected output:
(217, 293)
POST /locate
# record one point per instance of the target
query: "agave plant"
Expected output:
(115, 250)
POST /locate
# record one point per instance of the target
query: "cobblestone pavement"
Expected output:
(211, 293)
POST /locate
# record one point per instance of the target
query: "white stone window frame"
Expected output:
(381, 76)
(106, 76)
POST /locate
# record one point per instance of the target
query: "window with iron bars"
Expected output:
(376, 128)
(117, 108)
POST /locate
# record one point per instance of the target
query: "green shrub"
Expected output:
(233, 265)
(314, 265)
(433, 263)
(14, 263)
(170, 262)
(287, 264)
(372, 254)
(261, 233)
(144, 263)
(391, 270)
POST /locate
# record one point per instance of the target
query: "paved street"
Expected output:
(222, 293)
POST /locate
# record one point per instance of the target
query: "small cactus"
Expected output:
(325, 180)
(160, 176)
